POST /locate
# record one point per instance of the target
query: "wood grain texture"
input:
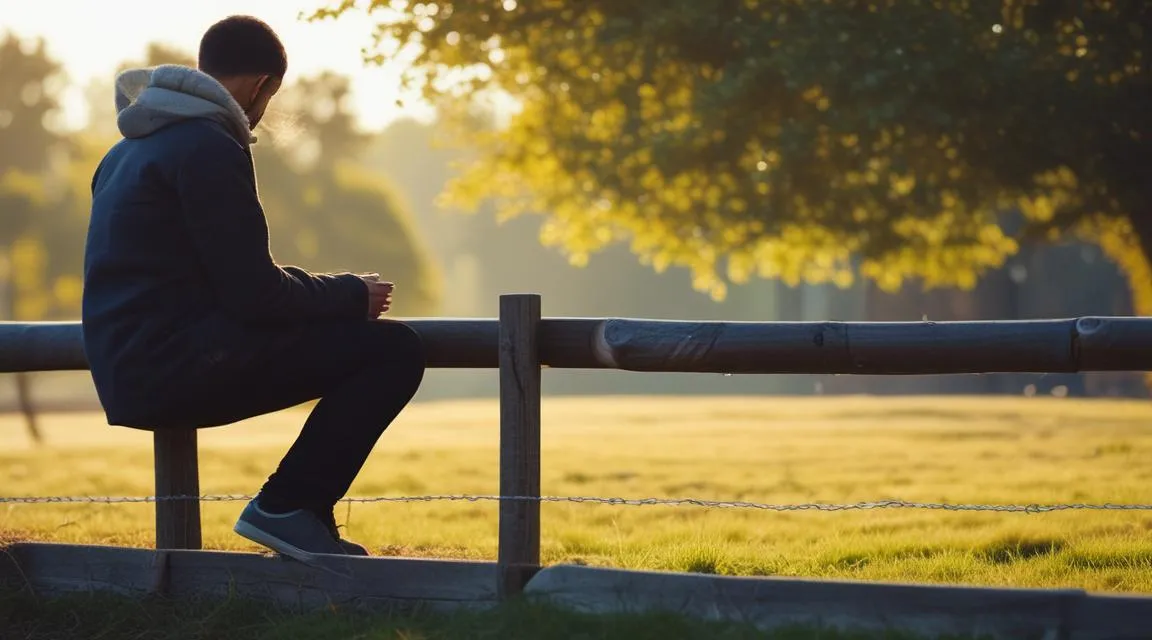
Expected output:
(878, 348)
(519, 551)
(177, 474)
(1114, 344)
(341, 581)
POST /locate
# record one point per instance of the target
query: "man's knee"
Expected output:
(398, 345)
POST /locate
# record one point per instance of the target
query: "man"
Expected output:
(188, 321)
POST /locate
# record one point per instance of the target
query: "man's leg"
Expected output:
(347, 421)
(364, 374)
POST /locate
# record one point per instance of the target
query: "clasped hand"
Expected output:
(379, 295)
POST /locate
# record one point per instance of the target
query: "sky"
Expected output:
(91, 37)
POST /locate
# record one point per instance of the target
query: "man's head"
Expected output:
(247, 57)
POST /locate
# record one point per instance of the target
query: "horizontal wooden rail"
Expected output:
(878, 348)
(449, 344)
(867, 348)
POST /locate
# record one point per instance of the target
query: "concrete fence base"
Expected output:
(928, 610)
(398, 583)
(354, 582)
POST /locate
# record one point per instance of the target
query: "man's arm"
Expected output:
(223, 214)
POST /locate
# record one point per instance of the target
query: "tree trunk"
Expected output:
(1139, 267)
(1136, 262)
(23, 381)
(26, 407)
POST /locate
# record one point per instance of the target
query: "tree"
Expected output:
(39, 196)
(29, 85)
(100, 92)
(335, 213)
(312, 117)
(29, 148)
(797, 138)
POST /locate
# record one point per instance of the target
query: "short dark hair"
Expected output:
(242, 45)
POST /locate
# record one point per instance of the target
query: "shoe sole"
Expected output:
(265, 539)
(356, 553)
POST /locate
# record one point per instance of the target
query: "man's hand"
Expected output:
(379, 295)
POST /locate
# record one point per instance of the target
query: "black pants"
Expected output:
(363, 373)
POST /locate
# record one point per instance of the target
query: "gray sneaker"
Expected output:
(300, 535)
(350, 548)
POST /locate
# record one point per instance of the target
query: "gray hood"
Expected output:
(152, 98)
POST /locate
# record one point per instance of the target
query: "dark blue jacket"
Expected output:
(177, 264)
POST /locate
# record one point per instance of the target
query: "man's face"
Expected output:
(261, 93)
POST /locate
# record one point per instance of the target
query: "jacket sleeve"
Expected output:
(216, 186)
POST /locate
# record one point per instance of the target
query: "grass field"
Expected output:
(957, 450)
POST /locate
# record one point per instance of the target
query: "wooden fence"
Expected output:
(520, 343)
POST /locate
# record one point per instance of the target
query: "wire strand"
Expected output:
(632, 502)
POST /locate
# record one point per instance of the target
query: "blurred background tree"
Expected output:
(31, 211)
(337, 212)
(798, 139)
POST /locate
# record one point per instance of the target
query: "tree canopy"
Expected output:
(801, 139)
(33, 208)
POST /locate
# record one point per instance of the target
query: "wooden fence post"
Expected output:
(177, 474)
(519, 552)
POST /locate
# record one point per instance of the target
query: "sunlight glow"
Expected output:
(91, 38)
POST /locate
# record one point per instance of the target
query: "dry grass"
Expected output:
(986, 450)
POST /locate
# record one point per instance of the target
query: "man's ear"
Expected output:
(257, 87)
